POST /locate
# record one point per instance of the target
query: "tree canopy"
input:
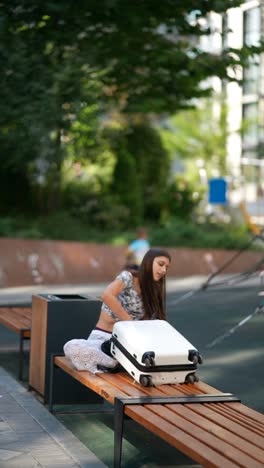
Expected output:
(71, 63)
(148, 51)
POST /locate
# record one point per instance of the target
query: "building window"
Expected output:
(250, 124)
(251, 77)
(252, 26)
(252, 30)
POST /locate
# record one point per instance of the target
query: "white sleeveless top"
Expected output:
(129, 299)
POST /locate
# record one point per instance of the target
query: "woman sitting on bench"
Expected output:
(131, 296)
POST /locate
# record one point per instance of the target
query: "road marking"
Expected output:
(220, 338)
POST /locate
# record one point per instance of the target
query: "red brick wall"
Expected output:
(29, 262)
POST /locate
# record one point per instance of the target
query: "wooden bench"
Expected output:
(211, 427)
(18, 319)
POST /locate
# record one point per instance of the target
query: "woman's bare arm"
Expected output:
(109, 297)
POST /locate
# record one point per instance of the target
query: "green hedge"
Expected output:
(177, 233)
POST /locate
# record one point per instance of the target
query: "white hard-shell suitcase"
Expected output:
(154, 353)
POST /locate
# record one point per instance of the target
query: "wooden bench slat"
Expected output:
(212, 427)
(254, 419)
(241, 443)
(209, 433)
(188, 444)
(176, 389)
(172, 414)
(24, 312)
(251, 427)
(14, 324)
(232, 439)
(209, 440)
(234, 411)
(187, 389)
(12, 318)
(178, 415)
(124, 382)
(96, 383)
(254, 426)
(115, 385)
(206, 388)
(250, 412)
(209, 412)
(18, 319)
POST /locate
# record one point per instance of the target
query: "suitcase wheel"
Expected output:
(146, 380)
(190, 378)
(195, 359)
(200, 358)
(193, 355)
(148, 359)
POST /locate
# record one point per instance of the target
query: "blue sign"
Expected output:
(217, 191)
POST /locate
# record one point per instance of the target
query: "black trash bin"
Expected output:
(56, 319)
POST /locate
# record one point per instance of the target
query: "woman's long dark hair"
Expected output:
(153, 293)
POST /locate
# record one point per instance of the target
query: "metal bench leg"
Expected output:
(22, 338)
(118, 436)
(21, 355)
(51, 382)
(120, 403)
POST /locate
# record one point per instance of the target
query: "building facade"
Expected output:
(246, 101)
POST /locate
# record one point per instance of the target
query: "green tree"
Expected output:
(57, 57)
(199, 134)
(141, 171)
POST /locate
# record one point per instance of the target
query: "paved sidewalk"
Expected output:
(30, 436)
(23, 294)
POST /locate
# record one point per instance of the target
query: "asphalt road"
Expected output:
(227, 326)
(221, 321)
